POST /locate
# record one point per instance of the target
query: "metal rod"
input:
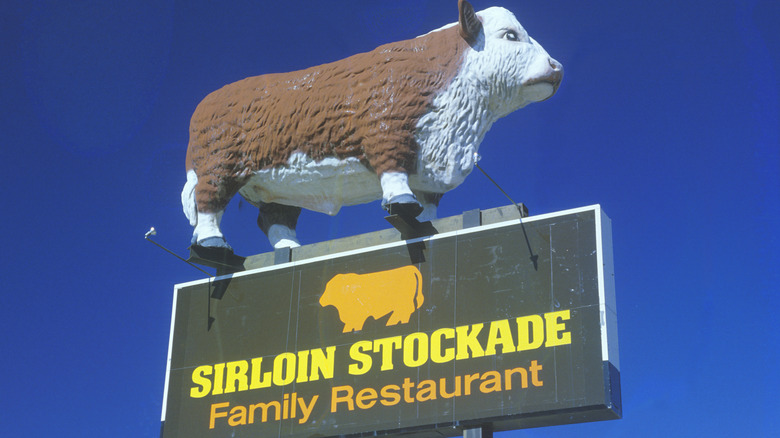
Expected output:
(152, 232)
(499, 187)
(534, 257)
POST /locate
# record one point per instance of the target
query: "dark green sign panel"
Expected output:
(512, 324)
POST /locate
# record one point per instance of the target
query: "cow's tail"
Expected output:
(418, 295)
(188, 197)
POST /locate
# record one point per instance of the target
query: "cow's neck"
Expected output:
(452, 131)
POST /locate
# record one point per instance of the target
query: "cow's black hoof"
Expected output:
(214, 242)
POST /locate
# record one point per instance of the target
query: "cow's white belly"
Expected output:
(324, 186)
(327, 185)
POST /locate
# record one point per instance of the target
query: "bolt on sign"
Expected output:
(512, 323)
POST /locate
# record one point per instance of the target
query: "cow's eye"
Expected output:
(511, 36)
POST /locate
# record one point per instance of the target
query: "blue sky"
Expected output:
(668, 116)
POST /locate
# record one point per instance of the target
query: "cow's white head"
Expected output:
(506, 63)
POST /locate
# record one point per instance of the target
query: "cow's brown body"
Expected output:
(356, 107)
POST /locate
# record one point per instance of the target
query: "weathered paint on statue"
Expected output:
(400, 123)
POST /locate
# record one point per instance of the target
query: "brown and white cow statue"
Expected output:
(401, 123)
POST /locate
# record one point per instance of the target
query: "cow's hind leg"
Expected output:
(206, 230)
(397, 197)
(278, 222)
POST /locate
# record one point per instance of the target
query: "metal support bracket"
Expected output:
(472, 218)
(522, 209)
(222, 259)
(410, 227)
(282, 255)
(485, 431)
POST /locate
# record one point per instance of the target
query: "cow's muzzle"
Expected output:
(552, 77)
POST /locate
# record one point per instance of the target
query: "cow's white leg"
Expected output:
(394, 186)
(278, 222)
(207, 232)
(396, 194)
(282, 236)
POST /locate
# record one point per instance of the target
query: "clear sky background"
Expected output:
(668, 116)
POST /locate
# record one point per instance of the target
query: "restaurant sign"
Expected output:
(512, 324)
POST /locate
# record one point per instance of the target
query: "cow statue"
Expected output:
(402, 123)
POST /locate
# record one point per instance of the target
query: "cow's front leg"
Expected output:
(278, 222)
(397, 197)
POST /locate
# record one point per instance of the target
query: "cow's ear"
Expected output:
(470, 26)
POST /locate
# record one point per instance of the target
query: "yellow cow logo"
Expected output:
(358, 296)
